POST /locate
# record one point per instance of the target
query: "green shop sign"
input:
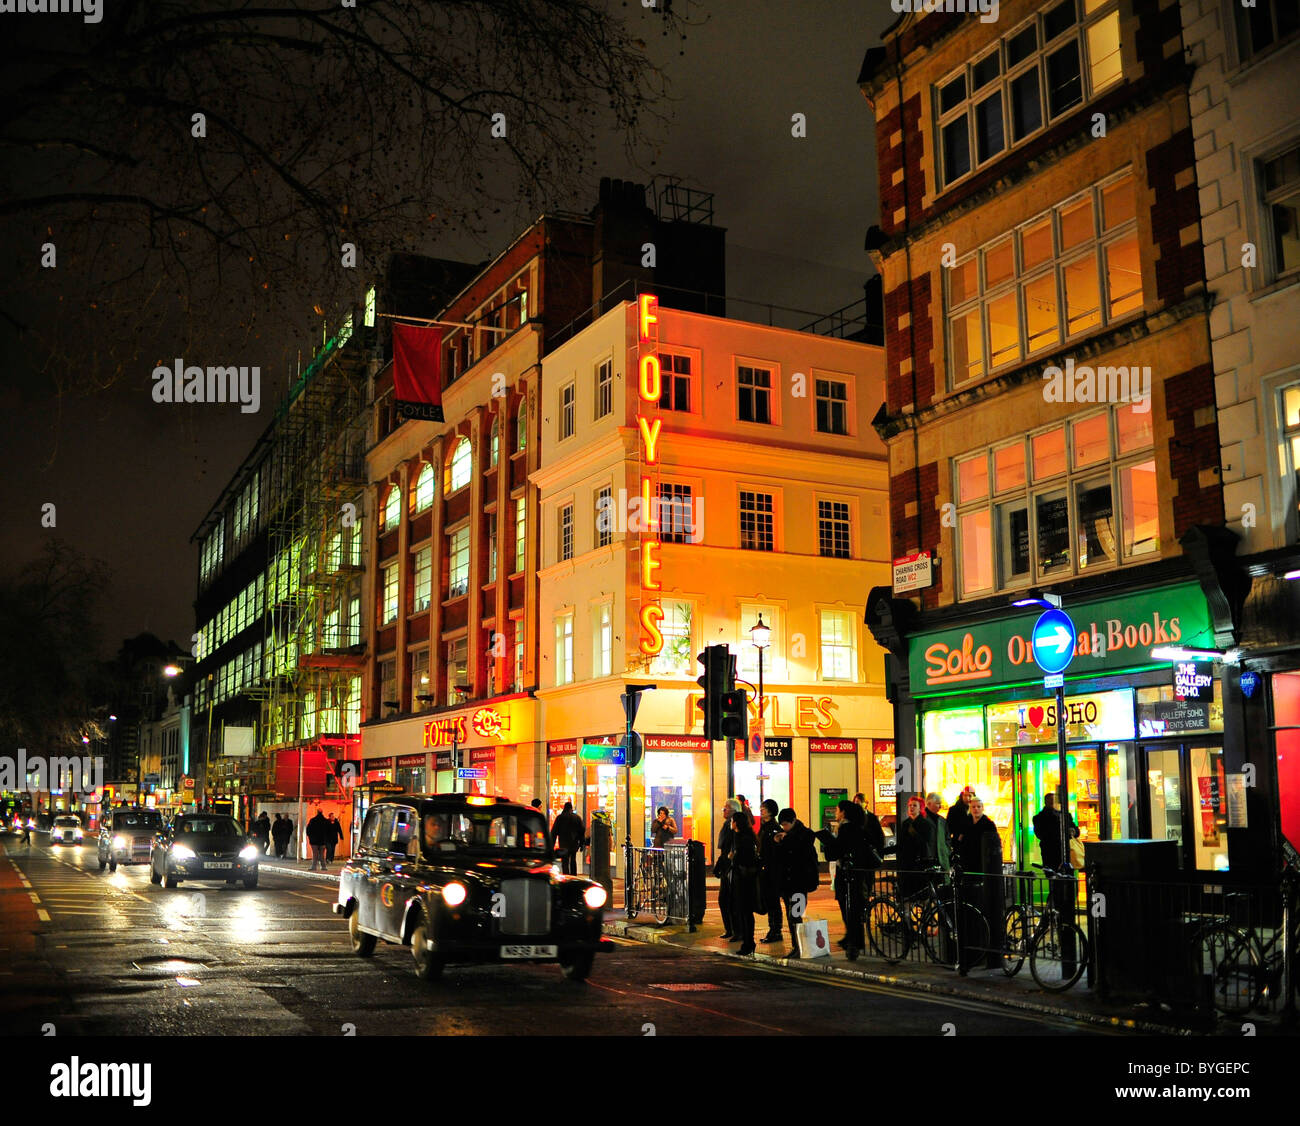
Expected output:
(1113, 634)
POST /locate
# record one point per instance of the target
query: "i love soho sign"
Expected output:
(1112, 634)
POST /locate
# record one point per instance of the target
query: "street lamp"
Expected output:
(761, 636)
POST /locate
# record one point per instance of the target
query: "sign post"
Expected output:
(1053, 646)
(631, 700)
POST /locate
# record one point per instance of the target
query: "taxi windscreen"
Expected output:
(446, 832)
(145, 819)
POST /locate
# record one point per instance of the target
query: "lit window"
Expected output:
(838, 645)
(458, 563)
(521, 530)
(422, 694)
(833, 539)
(494, 444)
(568, 409)
(459, 467)
(423, 579)
(388, 686)
(756, 521)
(604, 517)
(370, 307)
(677, 657)
(1288, 409)
(492, 553)
(422, 494)
(566, 532)
(521, 427)
(674, 513)
(458, 684)
(563, 648)
(392, 509)
(388, 607)
(603, 640)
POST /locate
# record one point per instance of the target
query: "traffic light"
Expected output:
(735, 715)
(716, 681)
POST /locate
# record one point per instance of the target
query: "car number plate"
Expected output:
(528, 952)
(218, 864)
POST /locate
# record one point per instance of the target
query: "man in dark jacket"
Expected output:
(796, 871)
(335, 835)
(722, 867)
(915, 849)
(848, 845)
(567, 833)
(980, 856)
(1047, 828)
(767, 870)
(318, 834)
(262, 831)
(281, 831)
(959, 818)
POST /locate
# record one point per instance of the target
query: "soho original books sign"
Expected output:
(1113, 634)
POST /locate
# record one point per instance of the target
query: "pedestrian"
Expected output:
(722, 867)
(980, 858)
(848, 846)
(1047, 828)
(744, 884)
(742, 802)
(318, 833)
(769, 894)
(536, 803)
(915, 849)
(27, 831)
(796, 872)
(332, 840)
(280, 831)
(663, 828)
(934, 803)
(262, 831)
(959, 818)
(567, 834)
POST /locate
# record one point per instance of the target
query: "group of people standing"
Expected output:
(323, 834)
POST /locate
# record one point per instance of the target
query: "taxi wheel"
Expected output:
(428, 967)
(170, 881)
(363, 945)
(154, 878)
(578, 966)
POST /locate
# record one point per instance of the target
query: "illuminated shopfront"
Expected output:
(1142, 764)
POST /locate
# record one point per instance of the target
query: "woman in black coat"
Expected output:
(744, 880)
(849, 847)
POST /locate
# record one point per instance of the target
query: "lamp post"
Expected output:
(761, 636)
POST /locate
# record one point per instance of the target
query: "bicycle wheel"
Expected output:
(887, 930)
(1016, 929)
(974, 938)
(938, 934)
(1058, 954)
(1228, 957)
(659, 897)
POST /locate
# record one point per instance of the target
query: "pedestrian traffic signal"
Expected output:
(735, 715)
(716, 681)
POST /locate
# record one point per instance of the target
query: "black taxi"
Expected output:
(467, 878)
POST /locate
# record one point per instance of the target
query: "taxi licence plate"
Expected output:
(218, 864)
(529, 951)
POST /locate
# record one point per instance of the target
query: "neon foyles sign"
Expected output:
(649, 385)
(488, 723)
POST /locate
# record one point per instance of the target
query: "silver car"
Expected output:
(66, 830)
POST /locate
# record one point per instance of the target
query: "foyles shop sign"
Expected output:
(1113, 634)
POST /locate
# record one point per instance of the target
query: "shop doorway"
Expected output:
(1037, 775)
(774, 784)
(1186, 801)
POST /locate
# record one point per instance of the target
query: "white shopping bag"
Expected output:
(814, 939)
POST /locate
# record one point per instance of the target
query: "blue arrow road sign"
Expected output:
(1053, 641)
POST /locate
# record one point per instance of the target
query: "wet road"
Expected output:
(102, 953)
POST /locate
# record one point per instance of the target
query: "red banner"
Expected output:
(559, 747)
(417, 371)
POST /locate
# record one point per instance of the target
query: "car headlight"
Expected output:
(78, 834)
(119, 842)
(182, 852)
(594, 897)
(454, 894)
(248, 852)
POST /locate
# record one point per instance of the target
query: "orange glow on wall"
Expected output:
(652, 641)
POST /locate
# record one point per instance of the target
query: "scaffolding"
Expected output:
(314, 649)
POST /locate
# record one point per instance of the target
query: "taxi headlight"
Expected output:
(77, 834)
(182, 852)
(594, 897)
(454, 894)
(119, 842)
(248, 852)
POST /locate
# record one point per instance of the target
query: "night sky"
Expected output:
(132, 479)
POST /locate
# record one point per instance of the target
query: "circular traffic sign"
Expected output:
(756, 745)
(1053, 641)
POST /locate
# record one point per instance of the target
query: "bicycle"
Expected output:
(648, 889)
(948, 929)
(1057, 948)
(1244, 967)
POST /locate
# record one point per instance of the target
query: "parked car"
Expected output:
(466, 878)
(203, 846)
(66, 830)
(126, 836)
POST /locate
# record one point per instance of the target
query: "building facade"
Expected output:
(454, 635)
(1245, 120)
(1051, 423)
(698, 474)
